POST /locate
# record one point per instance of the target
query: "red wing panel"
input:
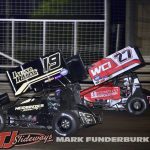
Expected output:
(115, 64)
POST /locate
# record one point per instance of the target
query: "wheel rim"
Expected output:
(64, 124)
(137, 105)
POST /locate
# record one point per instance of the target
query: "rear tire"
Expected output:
(65, 123)
(2, 121)
(136, 105)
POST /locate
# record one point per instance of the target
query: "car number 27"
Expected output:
(123, 56)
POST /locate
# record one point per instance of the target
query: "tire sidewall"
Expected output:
(2, 122)
(131, 108)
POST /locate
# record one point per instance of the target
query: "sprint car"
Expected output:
(116, 86)
(55, 103)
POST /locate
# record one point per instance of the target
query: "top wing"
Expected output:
(32, 74)
(115, 64)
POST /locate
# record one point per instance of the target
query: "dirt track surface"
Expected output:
(115, 124)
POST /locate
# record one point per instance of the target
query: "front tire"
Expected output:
(65, 123)
(136, 105)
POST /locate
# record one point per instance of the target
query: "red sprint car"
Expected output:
(116, 86)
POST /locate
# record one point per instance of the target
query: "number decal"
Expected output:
(123, 56)
(52, 62)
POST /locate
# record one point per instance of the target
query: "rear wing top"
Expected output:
(115, 64)
(32, 74)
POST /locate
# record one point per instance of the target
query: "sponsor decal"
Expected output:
(110, 92)
(24, 74)
(24, 87)
(28, 100)
(97, 78)
(101, 68)
(103, 93)
(29, 108)
(13, 138)
(62, 73)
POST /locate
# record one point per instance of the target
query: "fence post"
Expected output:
(106, 24)
(44, 36)
(118, 37)
(75, 36)
(13, 40)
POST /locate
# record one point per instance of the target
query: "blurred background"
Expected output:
(93, 28)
